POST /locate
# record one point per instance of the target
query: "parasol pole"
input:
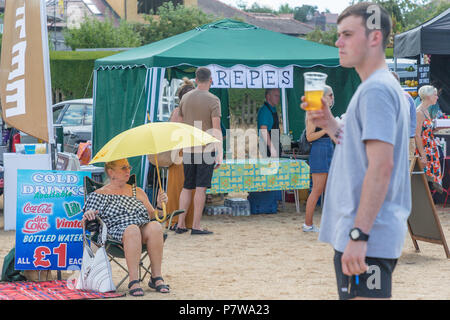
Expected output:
(159, 183)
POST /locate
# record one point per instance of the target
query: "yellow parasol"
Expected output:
(152, 138)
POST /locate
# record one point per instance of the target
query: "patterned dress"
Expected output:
(117, 211)
(433, 167)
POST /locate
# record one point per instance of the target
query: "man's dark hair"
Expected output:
(365, 10)
(202, 74)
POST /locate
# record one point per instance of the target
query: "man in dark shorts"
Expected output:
(201, 109)
(368, 193)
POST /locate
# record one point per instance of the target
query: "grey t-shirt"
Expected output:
(377, 111)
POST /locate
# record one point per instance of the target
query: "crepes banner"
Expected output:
(48, 223)
(25, 85)
(241, 76)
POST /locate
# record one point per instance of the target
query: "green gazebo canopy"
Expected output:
(227, 43)
(127, 86)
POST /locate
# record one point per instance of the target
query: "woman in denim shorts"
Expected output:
(319, 162)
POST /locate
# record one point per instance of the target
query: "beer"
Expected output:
(314, 85)
(314, 99)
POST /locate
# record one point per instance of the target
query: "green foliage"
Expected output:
(389, 52)
(94, 33)
(237, 96)
(424, 11)
(328, 38)
(256, 8)
(302, 13)
(285, 8)
(171, 20)
(408, 14)
(71, 72)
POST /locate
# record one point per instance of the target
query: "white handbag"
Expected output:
(95, 271)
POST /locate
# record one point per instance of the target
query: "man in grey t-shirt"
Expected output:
(368, 194)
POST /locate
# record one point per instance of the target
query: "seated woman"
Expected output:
(427, 149)
(127, 213)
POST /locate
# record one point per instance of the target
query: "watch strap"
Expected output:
(361, 237)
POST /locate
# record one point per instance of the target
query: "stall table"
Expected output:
(253, 175)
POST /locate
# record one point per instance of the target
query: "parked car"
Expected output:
(76, 118)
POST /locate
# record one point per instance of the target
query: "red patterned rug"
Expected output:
(48, 290)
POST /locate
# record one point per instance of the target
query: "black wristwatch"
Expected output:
(158, 208)
(357, 235)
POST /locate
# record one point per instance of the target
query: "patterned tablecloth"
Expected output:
(260, 175)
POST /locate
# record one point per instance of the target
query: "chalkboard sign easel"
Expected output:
(423, 222)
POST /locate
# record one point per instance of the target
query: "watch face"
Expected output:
(354, 234)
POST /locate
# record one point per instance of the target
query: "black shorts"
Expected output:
(375, 283)
(198, 169)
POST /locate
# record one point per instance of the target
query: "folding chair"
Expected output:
(114, 248)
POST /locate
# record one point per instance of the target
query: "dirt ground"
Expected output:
(268, 257)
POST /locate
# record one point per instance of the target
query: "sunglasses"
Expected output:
(125, 168)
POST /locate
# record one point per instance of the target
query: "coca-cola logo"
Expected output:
(46, 208)
(35, 225)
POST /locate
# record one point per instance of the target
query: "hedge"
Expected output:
(72, 71)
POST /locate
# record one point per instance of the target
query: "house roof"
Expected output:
(286, 25)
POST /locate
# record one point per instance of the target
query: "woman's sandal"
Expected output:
(137, 292)
(158, 288)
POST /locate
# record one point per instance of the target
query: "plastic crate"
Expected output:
(263, 202)
(217, 210)
(239, 206)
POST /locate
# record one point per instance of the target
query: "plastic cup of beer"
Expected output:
(314, 86)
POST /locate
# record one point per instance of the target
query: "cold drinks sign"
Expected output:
(48, 230)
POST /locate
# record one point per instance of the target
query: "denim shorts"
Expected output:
(320, 155)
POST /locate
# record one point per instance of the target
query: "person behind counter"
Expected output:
(268, 121)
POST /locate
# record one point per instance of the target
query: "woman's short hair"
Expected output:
(426, 91)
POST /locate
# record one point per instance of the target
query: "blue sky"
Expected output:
(335, 6)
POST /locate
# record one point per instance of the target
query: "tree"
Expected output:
(241, 4)
(93, 33)
(422, 11)
(407, 14)
(304, 12)
(256, 8)
(328, 38)
(285, 8)
(171, 20)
